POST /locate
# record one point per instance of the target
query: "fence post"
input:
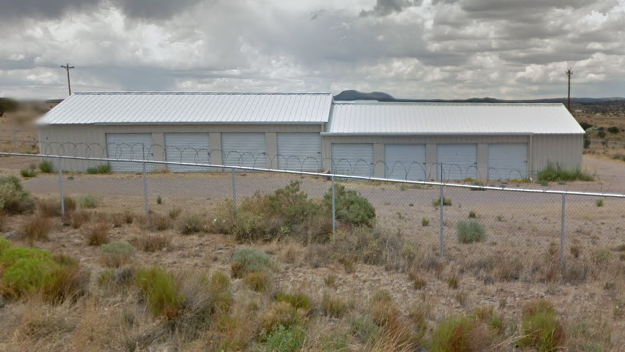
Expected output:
(333, 209)
(562, 263)
(442, 215)
(61, 186)
(234, 190)
(145, 187)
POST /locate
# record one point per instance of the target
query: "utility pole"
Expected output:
(569, 73)
(67, 67)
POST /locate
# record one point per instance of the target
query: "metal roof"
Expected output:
(450, 119)
(133, 108)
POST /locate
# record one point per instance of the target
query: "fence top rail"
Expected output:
(328, 175)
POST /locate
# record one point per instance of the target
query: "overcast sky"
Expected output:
(408, 48)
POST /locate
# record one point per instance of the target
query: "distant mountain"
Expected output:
(350, 95)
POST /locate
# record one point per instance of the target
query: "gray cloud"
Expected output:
(386, 7)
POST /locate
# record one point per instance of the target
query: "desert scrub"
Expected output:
(161, 291)
(13, 198)
(89, 201)
(257, 281)
(79, 218)
(159, 222)
(52, 207)
(100, 169)
(555, 173)
(296, 300)
(437, 202)
(542, 329)
(97, 234)
(152, 243)
(464, 333)
(28, 271)
(470, 231)
(280, 314)
(36, 228)
(285, 339)
(116, 254)
(46, 167)
(246, 260)
(333, 306)
(425, 222)
(351, 207)
(189, 224)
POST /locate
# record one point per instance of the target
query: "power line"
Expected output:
(67, 67)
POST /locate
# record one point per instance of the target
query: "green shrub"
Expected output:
(89, 201)
(292, 204)
(425, 222)
(472, 215)
(116, 254)
(462, 334)
(159, 200)
(13, 198)
(296, 300)
(351, 207)
(247, 260)
(470, 231)
(285, 339)
(599, 202)
(28, 173)
(554, 173)
(437, 202)
(4, 245)
(161, 291)
(542, 329)
(100, 169)
(614, 130)
(47, 167)
(334, 307)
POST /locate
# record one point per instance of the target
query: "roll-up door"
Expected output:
(299, 151)
(405, 161)
(458, 161)
(353, 159)
(244, 149)
(187, 148)
(136, 146)
(507, 161)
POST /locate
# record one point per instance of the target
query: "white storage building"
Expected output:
(310, 132)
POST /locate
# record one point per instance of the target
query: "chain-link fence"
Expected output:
(526, 231)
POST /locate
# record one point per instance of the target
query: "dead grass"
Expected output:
(152, 243)
(36, 228)
(79, 218)
(97, 234)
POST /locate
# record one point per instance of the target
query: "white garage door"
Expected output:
(244, 149)
(299, 151)
(405, 161)
(353, 159)
(506, 161)
(187, 148)
(459, 161)
(136, 146)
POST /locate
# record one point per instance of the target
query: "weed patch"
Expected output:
(555, 173)
(470, 231)
(47, 167)
(100, 169)
(161, 291)
(437, 202)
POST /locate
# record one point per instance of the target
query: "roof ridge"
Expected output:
(391, 103)
(197, 93)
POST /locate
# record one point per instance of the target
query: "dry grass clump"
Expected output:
(161, 291)
(542, 329)
(116, 254)
(281, 314)
(297, 300)
(52, 207)
(97, 234)
(482, 331)
(79, 218)
(258, 281)
(174, 213)
(89, 201)
(333, 306)
(190, 224)
(36, 228)
(152, 243)
(159, 222)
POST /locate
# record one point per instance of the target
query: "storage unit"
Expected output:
(353, 159)
(244, 149)
(299, 151)
(507, 161)
(187, 148)
(458, 161)
(130, 146)
(405, 161)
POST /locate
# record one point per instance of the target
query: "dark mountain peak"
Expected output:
(356, 95)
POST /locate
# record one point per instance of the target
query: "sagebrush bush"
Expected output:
(246, 260)
(161, 291)
(89, 201)
(470, 231)
(97, 234)
(14, 199)
(116, 254)
(47, 167)
(36, 228)
(285, 339)
(542, 329)
(351, 207)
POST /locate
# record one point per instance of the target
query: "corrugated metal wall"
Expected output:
(564, 150)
